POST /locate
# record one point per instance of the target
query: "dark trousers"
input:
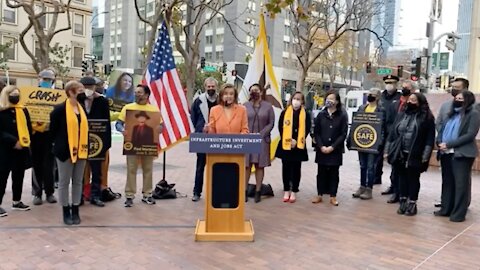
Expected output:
(368, 163)
(43, 164)
(95, 170)
(291, 174)
(395, 181)
(456, 186)
(379, 166)
(409, 180)
(327, 180)
(199, 173)
(17, 183)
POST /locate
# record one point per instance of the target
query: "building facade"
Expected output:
(464, 23)
(14, 21)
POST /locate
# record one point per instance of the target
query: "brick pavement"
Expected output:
(355, 235)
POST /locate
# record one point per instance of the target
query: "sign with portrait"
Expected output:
(142, 133)
(97, 129)
(40, 101)
(366, 132)
(122, 89)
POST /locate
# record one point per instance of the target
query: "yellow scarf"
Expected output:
(78, 148)
(287, 129)
(22, 127)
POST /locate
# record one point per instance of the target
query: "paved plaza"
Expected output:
(355, 235)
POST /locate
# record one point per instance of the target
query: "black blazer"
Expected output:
(11, 158)
(330, 131)
(58, 130)
(295, 154)
(100, 110)
(143, 138)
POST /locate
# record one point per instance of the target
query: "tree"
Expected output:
(59, 59)
(199, 77)
(3, 58)
(43, 33)
(329, 19)
(191, 24)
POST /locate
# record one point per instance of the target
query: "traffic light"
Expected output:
(450, 80)
(107, 69)
(224, 68)
(416, 67)
(202, 62)
(413, 77)
(234, 73)
(84, 66)
(400, 71)
(438, 82)
(368, 67)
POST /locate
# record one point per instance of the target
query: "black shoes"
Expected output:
(440, 213)
(411, 209)
(3, 213)
(51, 199)
(438, 204)
(129, 202)
(258, 196)
(67, 215)
(97, 202)
(75, 215)
(148, 200)
(108, 195)
(388, 191)
(393, 199)
(20, 206)
(196, 198)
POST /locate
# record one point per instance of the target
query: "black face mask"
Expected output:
(457, 104)
(371, 98)
(406, 92)
(14, 99)
(455, 92)
(139, 99)
(81, 97)
(211, 93)
(411, 107)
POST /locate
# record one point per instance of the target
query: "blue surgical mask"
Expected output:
(45, 84)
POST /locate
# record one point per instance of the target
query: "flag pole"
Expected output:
(164, 164)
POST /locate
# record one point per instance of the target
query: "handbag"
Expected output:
(164, 190)
(266, 190)
(395, 153)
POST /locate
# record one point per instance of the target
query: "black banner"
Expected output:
(96, 131)
(366, 132)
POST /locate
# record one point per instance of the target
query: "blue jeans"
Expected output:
(367, 168)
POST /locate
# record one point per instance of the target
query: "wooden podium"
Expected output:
(225, 185)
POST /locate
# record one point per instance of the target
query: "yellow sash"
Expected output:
(22, 127)
(287, 129)
(78, 147)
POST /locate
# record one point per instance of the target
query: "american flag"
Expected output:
(167, 93)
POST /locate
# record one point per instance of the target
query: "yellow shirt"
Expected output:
(137, 107)
(370, 109)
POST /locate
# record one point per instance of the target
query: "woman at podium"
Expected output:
(294, 126)
(261, 119)
(228, 117)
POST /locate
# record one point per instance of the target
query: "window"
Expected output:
(9, 15)
(43, 19)
(78, 24)
(79, 1)
(112, 51)
(77, 56)
(209, 39)
(219, 39)
(208, 56)
(219, 21)
(287, 30)
(352, 103)
(119, 63)
(286, 46)
(11, 52)
(150, 7)
(119, 50)
(219, 55)
(37, 49)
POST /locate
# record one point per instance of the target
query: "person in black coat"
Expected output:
(457, 152)
(96, 107)
(409, 147)
(292, 148)
(14, 151)
(331, 127)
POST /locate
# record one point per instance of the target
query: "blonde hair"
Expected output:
(222, 92)
(72, 85)
(4, 102)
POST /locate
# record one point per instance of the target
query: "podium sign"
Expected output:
(225, 185)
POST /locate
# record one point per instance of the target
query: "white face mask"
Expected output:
(389, 87)
(296, 103)
(89, 92)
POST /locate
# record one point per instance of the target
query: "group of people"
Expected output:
(408, 136)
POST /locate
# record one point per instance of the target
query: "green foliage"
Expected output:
(59, 57)
(3, 59)
(275, 6)
(199, 77)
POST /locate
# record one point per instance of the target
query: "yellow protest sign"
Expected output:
(40, 101)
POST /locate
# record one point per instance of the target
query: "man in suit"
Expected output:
(199, 114)
(142, 133)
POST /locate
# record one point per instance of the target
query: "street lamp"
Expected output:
(96, 15)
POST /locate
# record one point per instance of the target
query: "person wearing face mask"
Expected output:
(15, 134)
(409, 147)
(330, 131)
(458, 85)
(69, 129)
(199, 114)
(294, 126)
(95, 107)
(228, 117)
(408, 87)
(458, 150)
(261, 120)
(368, 161)
(43, 161)
(142, 95)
